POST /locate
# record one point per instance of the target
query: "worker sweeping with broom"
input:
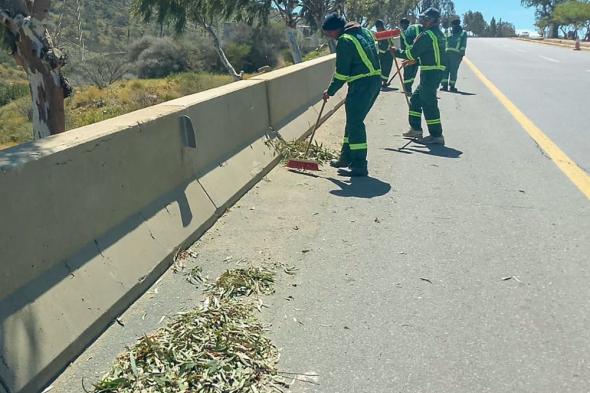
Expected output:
(357, 63)
(385, 56)
(429, 49)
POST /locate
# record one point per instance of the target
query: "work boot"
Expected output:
(339, 163)
(454, 89)
(444, 88)
(354, 172)
(432, 140)
(412, 133)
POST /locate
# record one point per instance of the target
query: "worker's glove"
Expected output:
(326, 96)
(408, 63)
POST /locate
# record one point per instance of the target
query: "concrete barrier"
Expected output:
(91, 218)
(295, 97)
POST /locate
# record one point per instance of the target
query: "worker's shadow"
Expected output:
(464, 93)
(431, 150)
(360, 187)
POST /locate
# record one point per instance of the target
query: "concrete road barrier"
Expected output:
(91, 218)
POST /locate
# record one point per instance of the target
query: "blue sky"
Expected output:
(509, 10)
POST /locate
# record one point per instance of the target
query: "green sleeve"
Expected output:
(463, 43)
(343, 66)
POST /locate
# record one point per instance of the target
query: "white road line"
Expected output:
(549, 59)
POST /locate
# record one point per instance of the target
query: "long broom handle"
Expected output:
(392, 78)
(317, 125)
(401, 80)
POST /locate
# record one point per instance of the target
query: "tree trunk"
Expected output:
(293, 45)
(554, 31)
(221, 53)
(35, 52)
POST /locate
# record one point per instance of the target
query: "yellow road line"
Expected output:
(576, 174)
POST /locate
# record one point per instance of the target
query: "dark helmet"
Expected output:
(333, 22)
(379, 24)
(431, 13)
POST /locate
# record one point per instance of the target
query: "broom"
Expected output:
(305, 164)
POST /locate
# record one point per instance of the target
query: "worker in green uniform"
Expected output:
(409, 34)
(429, 50)
(456, 46)
(357, 63)
(385, 56)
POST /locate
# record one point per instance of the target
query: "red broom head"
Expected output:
(387, 34)
(303, 165)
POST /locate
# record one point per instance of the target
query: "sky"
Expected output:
(508, 10)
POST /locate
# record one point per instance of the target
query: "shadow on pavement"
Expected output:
(388, 88)
(360, 187)
(464, 93)
(431, 150)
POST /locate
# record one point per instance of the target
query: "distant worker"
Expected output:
(456, 47)
(357, 63)
(409, 34)
(429, 50)
(385, 56)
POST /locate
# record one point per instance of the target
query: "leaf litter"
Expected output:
(295, 150)
(218, 347)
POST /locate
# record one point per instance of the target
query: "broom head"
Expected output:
(303, 165)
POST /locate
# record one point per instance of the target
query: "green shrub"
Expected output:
(11, 91)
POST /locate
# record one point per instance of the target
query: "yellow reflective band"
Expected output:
(345, 140)
(463, 48)
(409, 80)
(341, 77)
(364, 58)
(409, 54)
(358, 146)
(433, 122)
(361, 51)
(415, 114)
(385, 77)
(435, 47)
(433, 68)
(452, 50)
(445, 80)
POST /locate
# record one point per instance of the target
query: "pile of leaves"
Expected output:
(296, 151)
(244, 282)
(219, 347)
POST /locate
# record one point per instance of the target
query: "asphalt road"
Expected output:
(550, 84)
(462, 269)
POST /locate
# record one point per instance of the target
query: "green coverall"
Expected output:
(456, 46)
(357, 63)
(407, 41)
(429, 50)
(385, 58)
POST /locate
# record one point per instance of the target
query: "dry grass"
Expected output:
(90, 105)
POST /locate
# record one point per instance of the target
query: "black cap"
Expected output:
(431, 13)
(456, 21)
(379, 23)
(404, 21)
(333, 22)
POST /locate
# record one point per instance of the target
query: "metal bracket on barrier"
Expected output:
(188, 132)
